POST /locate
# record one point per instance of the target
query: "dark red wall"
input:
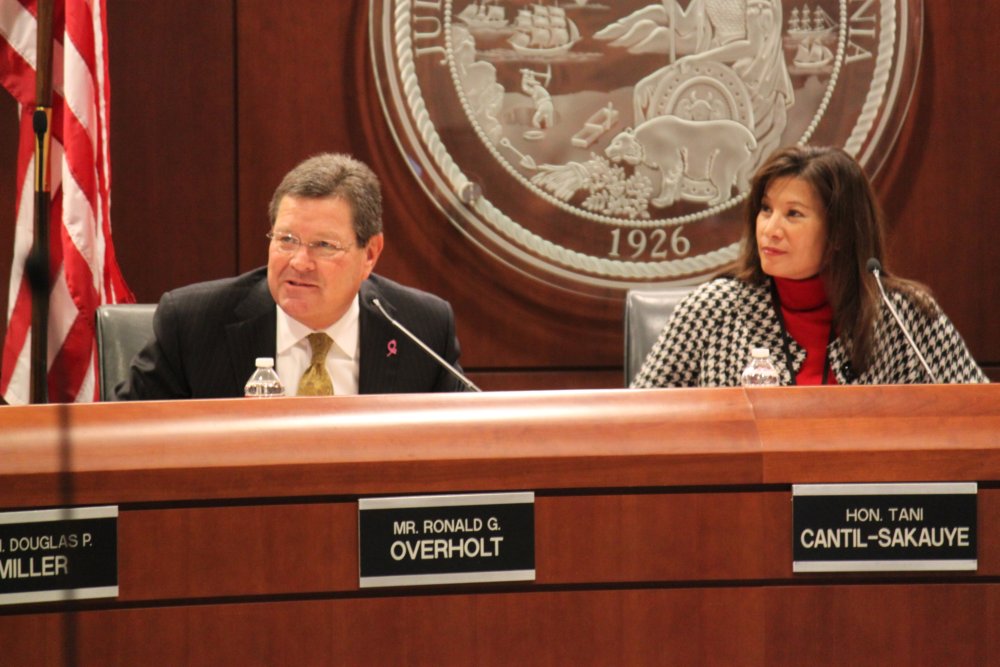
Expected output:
(213, 101)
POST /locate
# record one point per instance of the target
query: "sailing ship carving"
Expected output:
(543, 30)
(483, 15)
(806, 22)
(811, 28)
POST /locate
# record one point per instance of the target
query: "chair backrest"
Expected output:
(122, 330)
(646, 313)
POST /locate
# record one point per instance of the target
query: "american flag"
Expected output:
(83, 269)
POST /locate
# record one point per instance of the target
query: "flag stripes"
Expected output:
(83, 268)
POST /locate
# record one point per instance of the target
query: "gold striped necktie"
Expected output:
(316, 381)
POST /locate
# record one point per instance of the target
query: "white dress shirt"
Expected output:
(343, 361)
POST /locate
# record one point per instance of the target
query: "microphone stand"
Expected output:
(451, 369)
(875, 267)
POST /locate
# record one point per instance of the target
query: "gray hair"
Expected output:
(336, 175)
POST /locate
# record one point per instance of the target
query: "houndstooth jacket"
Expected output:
(708, 339)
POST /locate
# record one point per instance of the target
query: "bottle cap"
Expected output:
(264, 362)
(760, 353)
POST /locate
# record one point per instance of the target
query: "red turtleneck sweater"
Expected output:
(808, 317)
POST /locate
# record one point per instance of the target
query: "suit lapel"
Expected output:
(253, 333)
(378, 341)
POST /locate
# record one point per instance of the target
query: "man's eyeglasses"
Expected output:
(288, 244)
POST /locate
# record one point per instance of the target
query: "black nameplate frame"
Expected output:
(58, 554)
(453, 539)
(884, 527)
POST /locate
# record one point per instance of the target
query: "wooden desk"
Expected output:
(663, 527)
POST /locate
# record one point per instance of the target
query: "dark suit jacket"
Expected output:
(208, 335)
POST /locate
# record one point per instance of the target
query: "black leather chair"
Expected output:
(122, 330)
(646, 313)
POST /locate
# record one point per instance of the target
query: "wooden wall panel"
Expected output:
(172, 142)
(877, 624)
(939, 187)
(214, 552)
(619, 627)
(931, 624)
(294, 99)
(213, 102)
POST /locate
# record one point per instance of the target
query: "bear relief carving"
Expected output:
(690, 155)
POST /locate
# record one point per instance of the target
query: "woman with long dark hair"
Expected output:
(802, 289)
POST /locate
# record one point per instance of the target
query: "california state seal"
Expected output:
(603, 145)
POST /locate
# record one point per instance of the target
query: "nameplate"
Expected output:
(456, 539)
(884, 527)
(58, 555)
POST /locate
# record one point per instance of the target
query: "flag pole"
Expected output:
(37, 266)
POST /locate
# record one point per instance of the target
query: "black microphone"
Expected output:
(875, 268)
(444, 364)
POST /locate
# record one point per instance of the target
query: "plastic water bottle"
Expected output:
(760, 372)
(264, 383)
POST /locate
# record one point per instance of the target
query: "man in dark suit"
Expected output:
(326, 236)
